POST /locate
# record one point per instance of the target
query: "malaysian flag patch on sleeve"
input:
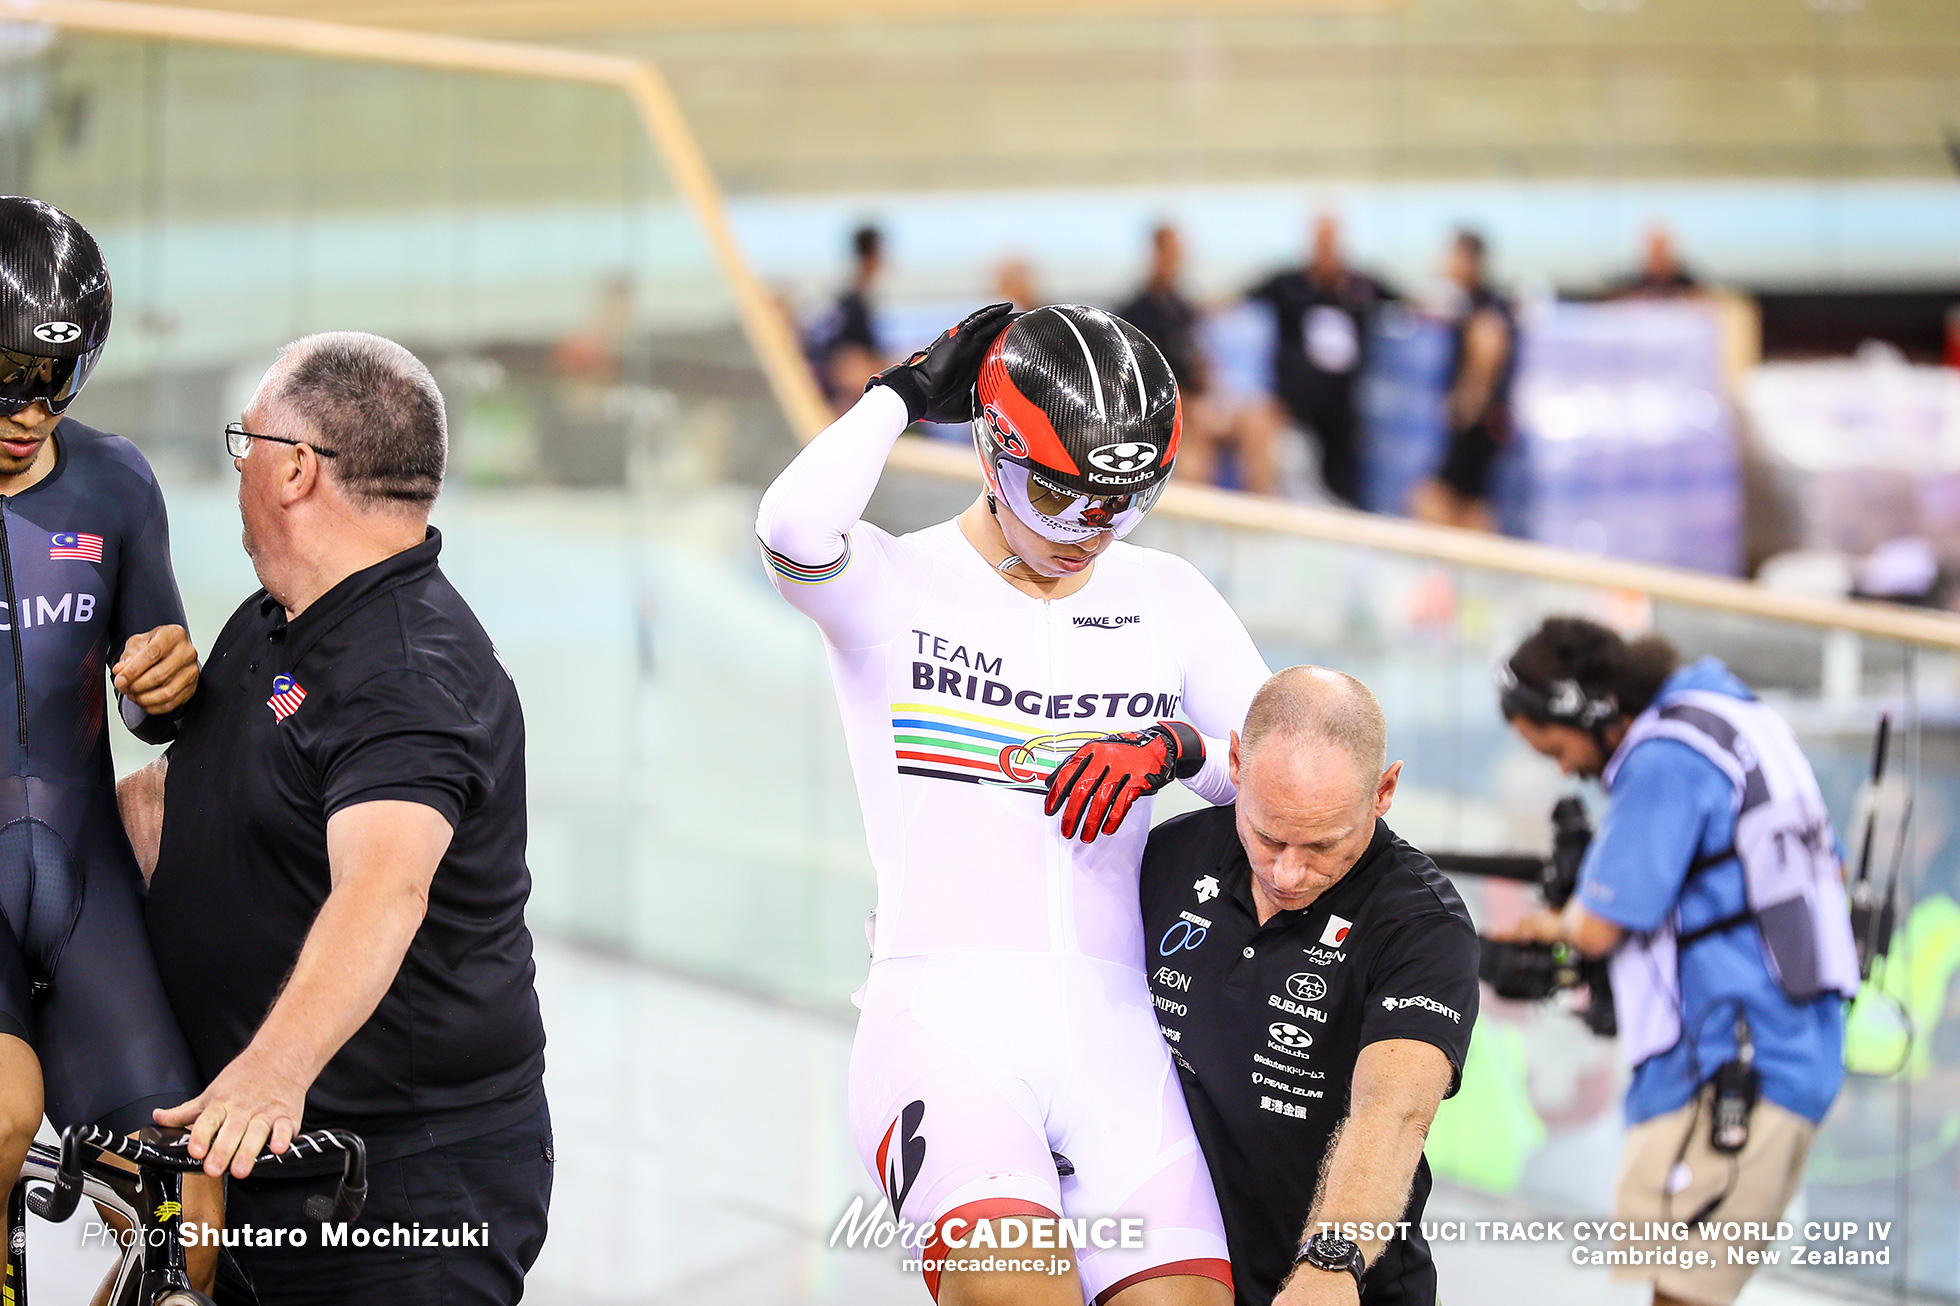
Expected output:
(75, 546)
(286, 697)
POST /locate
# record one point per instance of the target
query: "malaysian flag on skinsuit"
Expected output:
(75, 547)
(286, 697)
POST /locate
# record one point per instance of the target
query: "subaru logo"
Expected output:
(1130, 456)
(1306, 988)
(57, 333)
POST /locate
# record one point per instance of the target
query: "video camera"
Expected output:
(1532, 971)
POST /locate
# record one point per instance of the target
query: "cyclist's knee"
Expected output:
(1000, 1267)
(20, 1098)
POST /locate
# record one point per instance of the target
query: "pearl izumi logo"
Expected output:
(1120, 458)
(57, 333)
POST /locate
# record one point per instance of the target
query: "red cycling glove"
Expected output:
(1096, 785)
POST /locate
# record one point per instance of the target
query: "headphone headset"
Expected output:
(1564, 703)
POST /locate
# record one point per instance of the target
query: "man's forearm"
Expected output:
(1371, 1161)
(139, 797)
(350, 957)
(1369, 1171)
(1593, 936)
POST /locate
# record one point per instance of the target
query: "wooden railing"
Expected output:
(795, 389)
(771, 336)
(1495, 553)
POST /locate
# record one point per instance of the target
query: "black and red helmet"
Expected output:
(1084, 409)
(54, 305)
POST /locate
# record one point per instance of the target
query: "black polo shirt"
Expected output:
(385, 688)
(1266, 1022)
(1305, 368)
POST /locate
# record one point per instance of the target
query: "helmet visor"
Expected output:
(1064, 517)
(27, 379)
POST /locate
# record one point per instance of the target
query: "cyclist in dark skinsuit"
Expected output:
(86, 1033)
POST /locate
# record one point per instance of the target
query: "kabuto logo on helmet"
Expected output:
(57, 333)
(1129, 456)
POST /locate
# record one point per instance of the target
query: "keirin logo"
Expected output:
(57, 333)
(1128, 456)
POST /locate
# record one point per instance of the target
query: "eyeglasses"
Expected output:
(238, 442)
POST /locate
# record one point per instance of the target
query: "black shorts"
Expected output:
(496, 1188)
(78, 982)
(1466, 467)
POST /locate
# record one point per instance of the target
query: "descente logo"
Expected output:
(1107, 623)
(1427, 1004)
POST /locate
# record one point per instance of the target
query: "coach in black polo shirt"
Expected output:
(1316, 979)
(337, 903)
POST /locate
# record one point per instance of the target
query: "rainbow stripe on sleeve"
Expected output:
(938, 743)
(797, 573)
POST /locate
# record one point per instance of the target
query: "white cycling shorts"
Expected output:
(971, 1069)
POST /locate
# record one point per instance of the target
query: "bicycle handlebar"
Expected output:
(168, 1149)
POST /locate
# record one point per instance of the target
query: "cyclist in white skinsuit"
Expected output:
(1008, 1016)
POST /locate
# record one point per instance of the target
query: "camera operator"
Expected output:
(1716, 885)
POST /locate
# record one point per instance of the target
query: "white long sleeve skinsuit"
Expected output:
(1008, 1014)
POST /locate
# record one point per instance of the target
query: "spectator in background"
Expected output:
(1210, 426)
(1214, 421)
(1483, 356)
(596, 351)
(1661, 274)
(844, 346)
(1322, 311)
(1161, 311)
(1014, 282)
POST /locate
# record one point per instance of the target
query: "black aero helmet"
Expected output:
(54, 305)
(1077, 421)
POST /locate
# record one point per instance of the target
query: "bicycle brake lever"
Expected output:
(60, 1201)
(350, 1196)
(344, 1207)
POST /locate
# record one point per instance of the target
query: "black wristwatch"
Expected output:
(1324, 1251)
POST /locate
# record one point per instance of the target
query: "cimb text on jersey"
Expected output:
(37, 611)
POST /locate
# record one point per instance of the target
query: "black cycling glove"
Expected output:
(937, 382)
